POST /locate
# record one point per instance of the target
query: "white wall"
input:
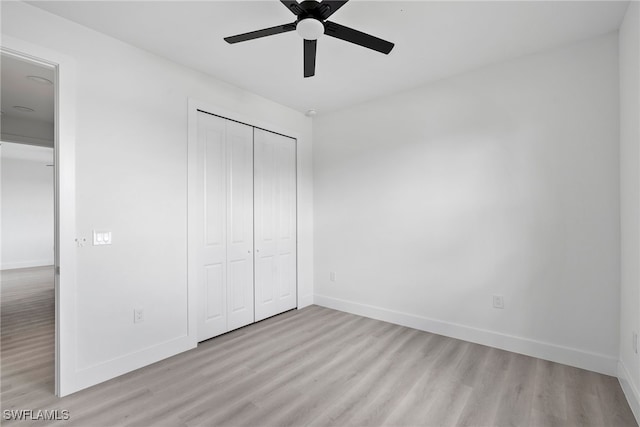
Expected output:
(27, 206)
(630, 202)
(131, 179)
(499, 181)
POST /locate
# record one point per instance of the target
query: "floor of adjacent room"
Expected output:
(315, 366)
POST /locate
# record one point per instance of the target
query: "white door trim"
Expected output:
(65, 221)
(195, 105)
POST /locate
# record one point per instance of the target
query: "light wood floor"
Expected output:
(312, 367)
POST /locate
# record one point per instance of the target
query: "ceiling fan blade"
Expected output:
(310, 57)
(354, 36)
(261, 33)
(293, 6)
(329, 7)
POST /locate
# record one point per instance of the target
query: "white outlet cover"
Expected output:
(498, 301)
(138, 315)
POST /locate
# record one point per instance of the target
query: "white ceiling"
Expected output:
(18, 90)
(433, 40)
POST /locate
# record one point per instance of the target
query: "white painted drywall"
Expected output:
(27, 205)
(630, 202)
(502, 181)
(131, 177)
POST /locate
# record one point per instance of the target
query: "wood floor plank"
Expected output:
(549, 399)
(273, 380)
(363, 391)
(408, 408)
(581, 398)
(482, 405)
(395, 384)
(309, 367)
(517, 393)
(326, 381)
(613, 403)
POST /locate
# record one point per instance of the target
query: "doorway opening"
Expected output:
(28, 224)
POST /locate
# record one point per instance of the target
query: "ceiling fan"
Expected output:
(311, 24)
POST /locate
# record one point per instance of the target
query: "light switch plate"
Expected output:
(101, 237)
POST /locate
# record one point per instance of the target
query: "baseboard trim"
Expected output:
(104, 371)
(305, 301)
(27, 264)
(629, 389)
(543, 350)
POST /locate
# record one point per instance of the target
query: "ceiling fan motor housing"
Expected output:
(312, 9)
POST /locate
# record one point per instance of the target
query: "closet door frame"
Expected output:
(195, 107)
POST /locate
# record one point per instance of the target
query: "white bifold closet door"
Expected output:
(225, 225)
(275, 223)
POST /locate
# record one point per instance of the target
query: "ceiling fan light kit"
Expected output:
(312, 22)
(310, 28)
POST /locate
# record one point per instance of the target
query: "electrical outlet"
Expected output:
(138, 315)
(498, 301)
(635, 342)
(332, 276)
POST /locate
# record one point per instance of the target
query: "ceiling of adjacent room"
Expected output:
(433, 40)
(25, 86)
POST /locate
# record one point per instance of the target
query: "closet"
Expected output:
(245, 224)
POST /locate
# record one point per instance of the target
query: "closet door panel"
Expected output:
(265, 226)
(275, 228)
(211, 225)
(239, 302)
(287, 242)
(239, 202)
(286, 282)
(215, 292)
(265, 285)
